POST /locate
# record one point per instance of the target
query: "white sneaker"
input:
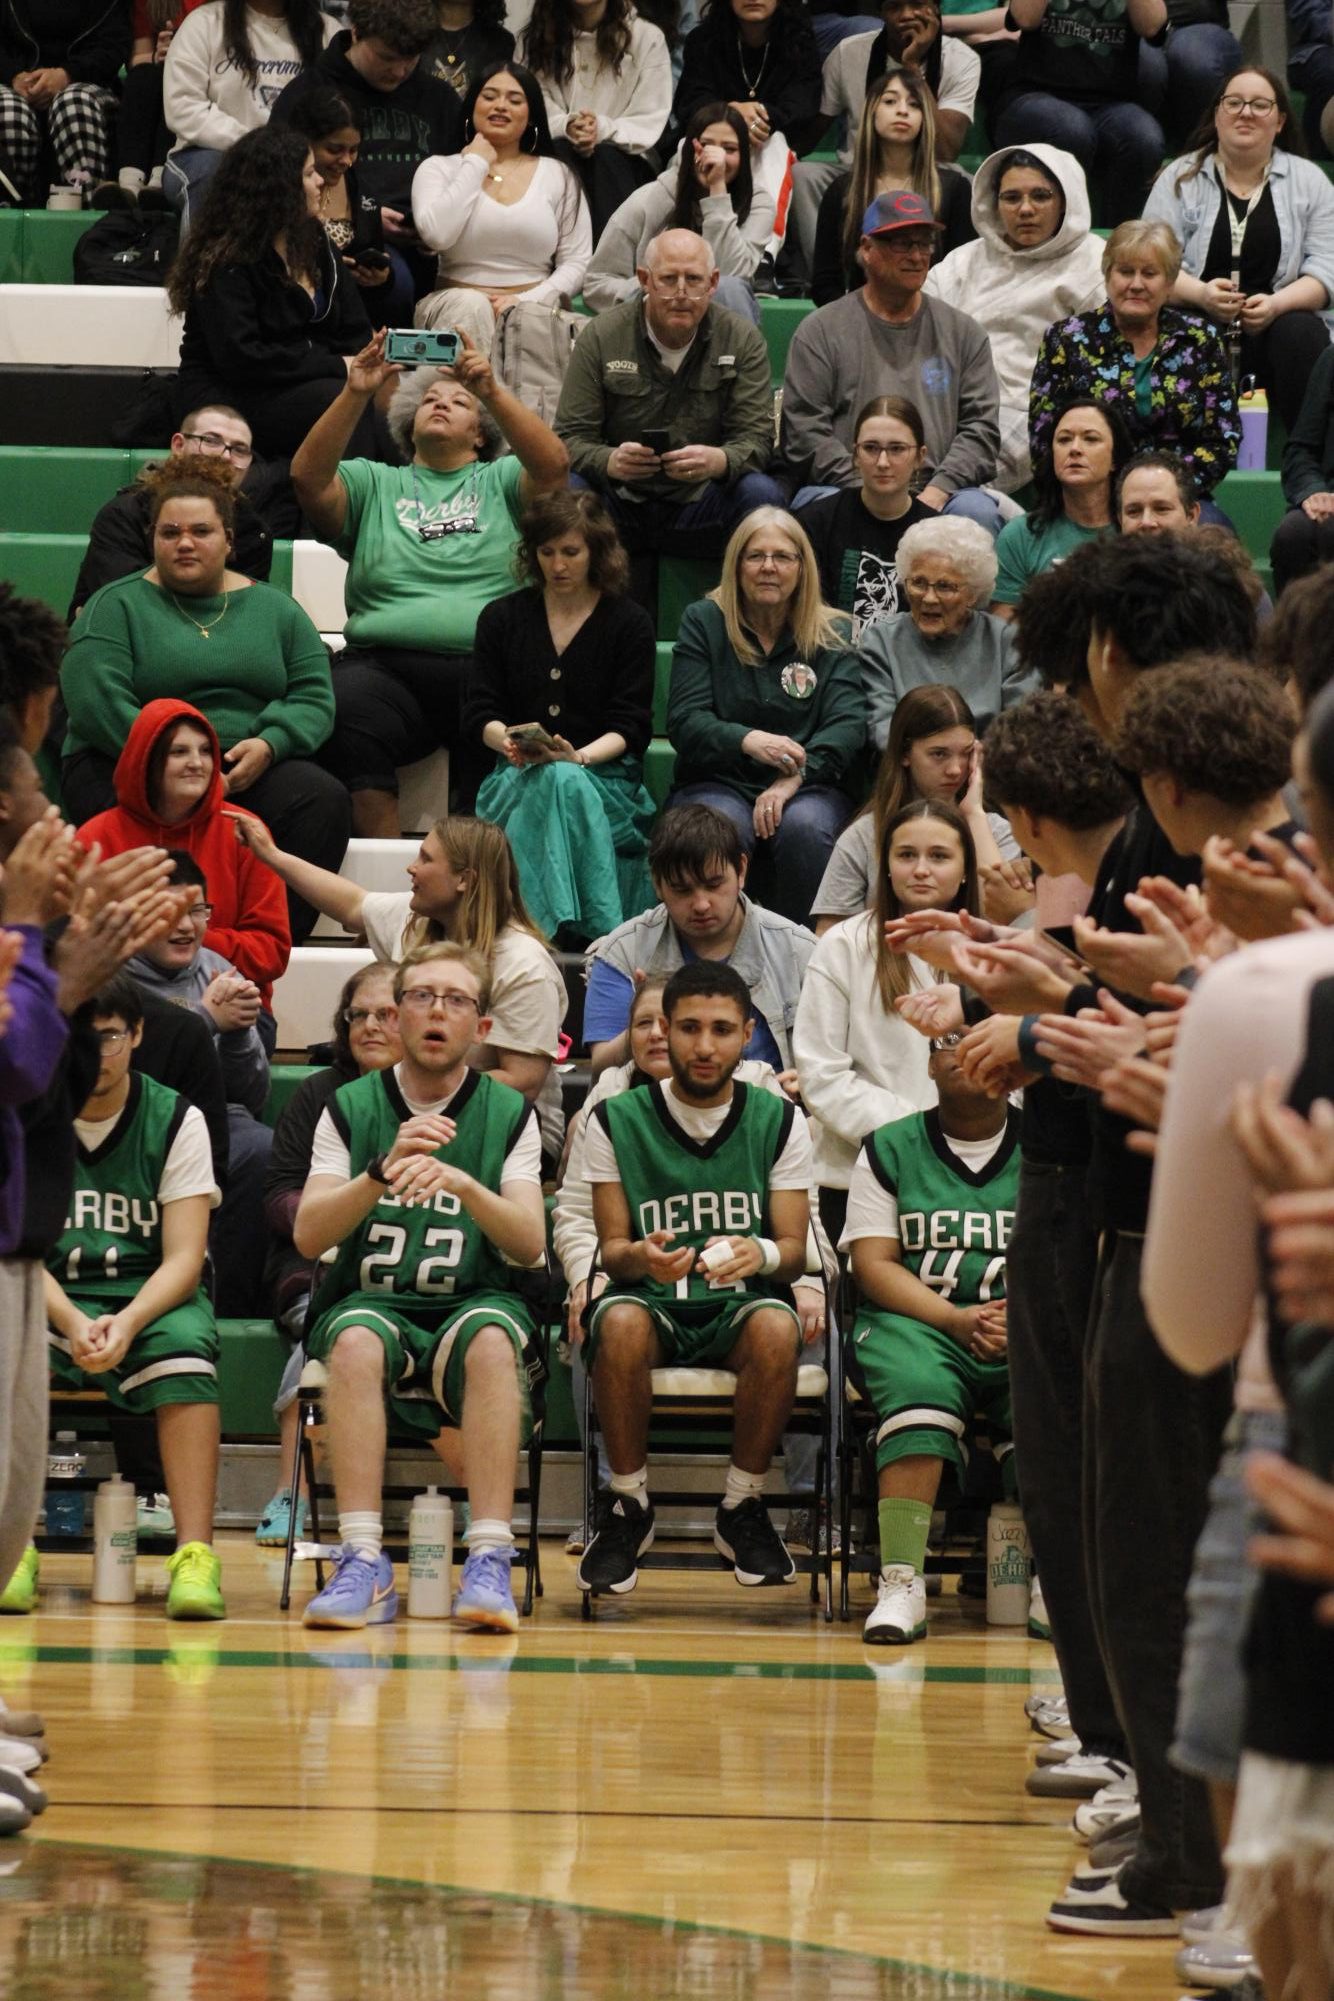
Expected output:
(153, 1515)
(1056, 1750)
(1043, 1699)
(1095, 1816)
(1083, 1775)
(18, 1755)
(1039, 1625)
(899, 1613)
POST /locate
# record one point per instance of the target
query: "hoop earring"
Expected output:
(468, 132)
(530, 134)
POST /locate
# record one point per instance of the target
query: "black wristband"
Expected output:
(375, 1169)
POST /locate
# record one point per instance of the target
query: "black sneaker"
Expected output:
(624, 1531)
(752, 1545)
(1094, 1903)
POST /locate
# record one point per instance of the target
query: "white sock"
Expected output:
(362, 1532)
(484, 1535)
(741, 1487)
(631, 1486)
(131, 179)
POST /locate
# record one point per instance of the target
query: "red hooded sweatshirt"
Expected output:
(250, 924)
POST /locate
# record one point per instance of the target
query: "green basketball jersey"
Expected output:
(435, 1250)
(112, 1239)
(697, 1189)
(954, 1224)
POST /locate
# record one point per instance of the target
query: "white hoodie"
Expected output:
(1016, 294)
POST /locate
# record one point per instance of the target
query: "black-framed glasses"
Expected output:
(427, 997)
(210, 442)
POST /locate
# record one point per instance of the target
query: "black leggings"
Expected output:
(1281, 359)
(144, 137)
(394, 705)
(280, 418)
(305, 809)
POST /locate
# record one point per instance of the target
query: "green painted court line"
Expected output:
(977, 1984)
(452, 1663)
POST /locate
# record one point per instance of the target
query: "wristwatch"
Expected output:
(375, 1169)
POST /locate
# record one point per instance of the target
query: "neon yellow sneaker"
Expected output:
(195, 1574)
(20, 1594)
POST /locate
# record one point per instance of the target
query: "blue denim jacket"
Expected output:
(1303, 205)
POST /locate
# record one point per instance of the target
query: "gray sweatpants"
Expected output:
(24, 1379)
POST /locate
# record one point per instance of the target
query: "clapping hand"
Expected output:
(932, 1011)
(41, 874)
(1300, 1508)
(232, 1001)
(1285, 1151)
(1083, 1047)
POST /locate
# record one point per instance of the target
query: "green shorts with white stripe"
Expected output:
(426, 1347)
(175, 1360)
(926, 1390)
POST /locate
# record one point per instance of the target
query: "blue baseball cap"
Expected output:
(903, 209)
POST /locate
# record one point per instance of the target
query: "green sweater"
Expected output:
(715, 701)
(262, 671)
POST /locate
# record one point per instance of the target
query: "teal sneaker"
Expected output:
(273, 1523)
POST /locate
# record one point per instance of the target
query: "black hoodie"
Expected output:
(399, 128)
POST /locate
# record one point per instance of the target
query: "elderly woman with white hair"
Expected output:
(429, 544)
(947, 571)
(766, 709)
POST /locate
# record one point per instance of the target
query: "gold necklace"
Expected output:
(201, 629)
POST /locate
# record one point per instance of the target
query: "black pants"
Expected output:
(1281, 359)
(1300, 545)
(144, 138)
(395, 706)
(1152, 1439)
(305, 809)
(280, 418)
(608, 175)
(1049, 1272)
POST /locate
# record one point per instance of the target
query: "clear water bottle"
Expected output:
(66, 1505)
(430, 1555)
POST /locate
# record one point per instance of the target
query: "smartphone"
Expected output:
(1062, 936)
(370, 260)
(533, 734)
(421, 349)
(656, 442)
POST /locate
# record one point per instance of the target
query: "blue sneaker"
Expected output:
(484, 1599)
(272, 1530)
(359, 1593)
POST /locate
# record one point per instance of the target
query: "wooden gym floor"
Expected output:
(706, 1793)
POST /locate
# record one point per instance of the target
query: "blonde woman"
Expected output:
(896, 148)
(766, 709)
(465, 887)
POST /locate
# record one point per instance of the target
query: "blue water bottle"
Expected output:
(65, 1505)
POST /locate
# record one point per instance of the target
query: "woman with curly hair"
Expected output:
(428, 545)
(271, 319)
(708, 189)
(606, 79)
(227, 64)
(506, 218)
(895, 148)
(562, 691)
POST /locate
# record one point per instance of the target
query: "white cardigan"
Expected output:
(543, 241)
(632, 108)
(859, 1067)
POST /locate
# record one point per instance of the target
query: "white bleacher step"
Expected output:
(372, 865)
(319, 576)
(305, 997)
(80, 326)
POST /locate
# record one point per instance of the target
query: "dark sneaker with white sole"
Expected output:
(1094, 1903)
(624, 1531)
(752, 1545)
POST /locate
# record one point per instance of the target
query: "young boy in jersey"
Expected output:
(124, 1299)
(701, 1200)
(427, 1178)
(930, 1209)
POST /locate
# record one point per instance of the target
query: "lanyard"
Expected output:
(1237, 223)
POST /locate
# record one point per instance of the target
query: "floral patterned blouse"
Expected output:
(1192, 404)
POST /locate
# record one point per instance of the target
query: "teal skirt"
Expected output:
(580, 838)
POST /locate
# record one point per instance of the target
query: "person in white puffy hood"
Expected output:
(1035, 261)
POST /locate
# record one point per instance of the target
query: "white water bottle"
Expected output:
(430, 1555)
(115, 1543)
(1009, 1566)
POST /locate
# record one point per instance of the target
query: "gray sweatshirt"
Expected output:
(245, 1065)
(980, 662)
(842, 356)
(737, 246)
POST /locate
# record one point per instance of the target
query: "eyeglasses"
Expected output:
(878, 452)
(357, 1017)
(1036, 198)
(111, 1038)
(950, 1041)
(1259, 107)
(689, 282)
(782, 559)
(426, 997)
(209, 441)
(199, 913)
(935, 586)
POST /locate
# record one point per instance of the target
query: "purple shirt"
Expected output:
(30, 1049)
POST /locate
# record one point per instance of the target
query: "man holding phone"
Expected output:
(667, 407)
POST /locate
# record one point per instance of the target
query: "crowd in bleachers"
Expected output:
(966, 998)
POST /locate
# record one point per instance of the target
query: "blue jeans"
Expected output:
(831, 29)
(1122, 144)
(791, 863)
(735, 293)
(1178, 83)
(185, 177)
(695, 527)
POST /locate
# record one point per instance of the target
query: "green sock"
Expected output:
(904, 1527)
